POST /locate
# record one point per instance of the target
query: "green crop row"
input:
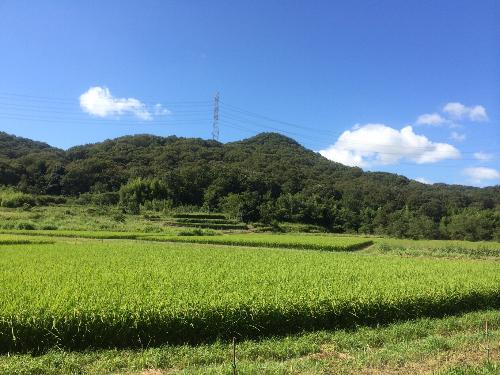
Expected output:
(78, 234)
(441, 248)
(209, 225)
(437, 244)
(445, 251)
(292, 241)
(206, 221)
(201, 215)
(17, 240)
(128, 293)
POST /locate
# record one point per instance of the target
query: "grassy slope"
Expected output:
(78, 217)
(437, 244)
(453, 345)
(437, 248)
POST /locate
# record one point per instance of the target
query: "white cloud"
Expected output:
(431, 119)
(161, 110)
(380, 144)
(459, 137)
(479, 174)
(459, 111)
(478, 113)
(456, 110)
(98, 101)
(423, 180)
(483, 156)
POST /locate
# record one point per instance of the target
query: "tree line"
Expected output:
(267, 178)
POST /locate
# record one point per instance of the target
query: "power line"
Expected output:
(96, 121)
(28, 110)
(317, 139)
(236, 117)
(39, 108)
(253, 123)
(234, 108)
(373, 152)
(62, 101)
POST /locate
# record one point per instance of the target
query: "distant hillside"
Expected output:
(271, 175)
(12, 147)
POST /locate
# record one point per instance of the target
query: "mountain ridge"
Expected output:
(13, 147)
(267, 178)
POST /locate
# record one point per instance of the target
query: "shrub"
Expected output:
(12, 199)
(197, 232)
(105, 199)
(26, 225)
(49, 227)
(119, 217)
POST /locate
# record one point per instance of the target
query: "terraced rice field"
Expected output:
(438, 248)
(123, 293)
(292, 241)
(22, 240)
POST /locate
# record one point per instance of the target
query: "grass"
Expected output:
(83, 218)
(200, 215)
(439, 248)
(212, 221)
(209, 224)
(485, 368)
(437, 244)
(452, 345)
(128, 293)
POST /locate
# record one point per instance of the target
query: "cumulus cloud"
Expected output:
(458, 111)
(459, 137)
(373, 144)
(453, 112)
(98, 101)
(431, 119)
(483, 156)
(161, 110)
(479, 174)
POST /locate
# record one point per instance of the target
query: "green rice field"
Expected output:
(126, 293)
(291, 241)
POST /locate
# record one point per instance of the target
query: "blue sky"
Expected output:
(410, 87)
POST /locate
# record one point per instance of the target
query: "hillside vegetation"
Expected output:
(268, 178)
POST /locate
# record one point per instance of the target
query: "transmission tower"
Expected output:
(215, 128)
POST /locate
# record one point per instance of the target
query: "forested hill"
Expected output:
(263, 178)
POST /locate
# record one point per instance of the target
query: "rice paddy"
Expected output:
(128, 293)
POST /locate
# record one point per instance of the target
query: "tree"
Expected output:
(473, 225)
(138, 191)
(243, 206)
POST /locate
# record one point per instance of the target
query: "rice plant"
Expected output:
(123, 293)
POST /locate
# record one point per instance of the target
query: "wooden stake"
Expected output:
(487, 343)
(234, 355)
